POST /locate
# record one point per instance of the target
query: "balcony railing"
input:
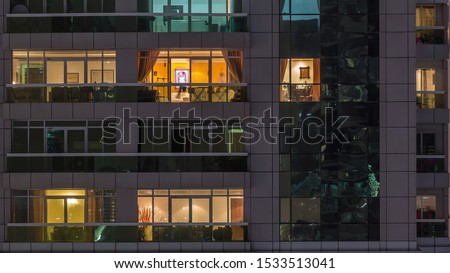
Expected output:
(162, 162)
(431, 99)
(431, 164)
(42, 93)
(126, 22)
(127, 232)
(431, 228)
(431, 35)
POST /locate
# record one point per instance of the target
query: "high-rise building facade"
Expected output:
(224, 125)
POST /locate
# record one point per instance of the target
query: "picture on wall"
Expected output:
(96, 76)
(182, 75)
(73, 78)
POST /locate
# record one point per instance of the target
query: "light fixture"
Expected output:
(72, 201)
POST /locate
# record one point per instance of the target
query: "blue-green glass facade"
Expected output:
(329, 190)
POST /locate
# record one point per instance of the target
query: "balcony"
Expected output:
(431, 228)
(431, 164)
(132, 232)
(431, 99)
(132, 22)
(43, 93)
(434, 35)
(140, 162)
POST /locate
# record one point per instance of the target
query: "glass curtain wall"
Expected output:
(329, 190)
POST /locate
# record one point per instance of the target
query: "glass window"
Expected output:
(219, 6)
(36, 6)
(301, 80)
(305, 210)
(161, 210)
(158, 6)
(426, 207)
(304, 7)
(426, 143)
(426, 16)
(219, 214)
(20, 141)
(180, 6)
(200, 6)
(63, 67)
(55, 72)
(200, 210)
(55, 6)
(191, 206)
(57, 139)
(63, 206)
(109, 5)
(426, 79)
(36, 140)
(94, 6)
(75, 72)
(75, 6)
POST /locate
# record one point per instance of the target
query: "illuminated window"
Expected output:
(63, 67)
(190, 206)
(63, 206)
(426, 207)
(202, 207)
(194, 75)
(300, 80)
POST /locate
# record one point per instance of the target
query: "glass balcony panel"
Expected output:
(160, 23)
(431, 165)
(432, 229)
(430, 36)
(429, 100)
(105, 233)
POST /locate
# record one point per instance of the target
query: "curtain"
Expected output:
(316, 80)
(282, 3)
(234, 65)
(283, 66)
(147, 60)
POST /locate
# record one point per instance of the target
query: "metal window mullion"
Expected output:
(189, 17)
(169, 201)
(86, 205)
(65, 210)
(210, 207)
(190, 209)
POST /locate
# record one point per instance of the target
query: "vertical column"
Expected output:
(263, 222)
(397, 125)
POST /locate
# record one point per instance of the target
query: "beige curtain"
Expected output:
(316, 80)
(235, 66)
(283, 66)
(147, 60)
